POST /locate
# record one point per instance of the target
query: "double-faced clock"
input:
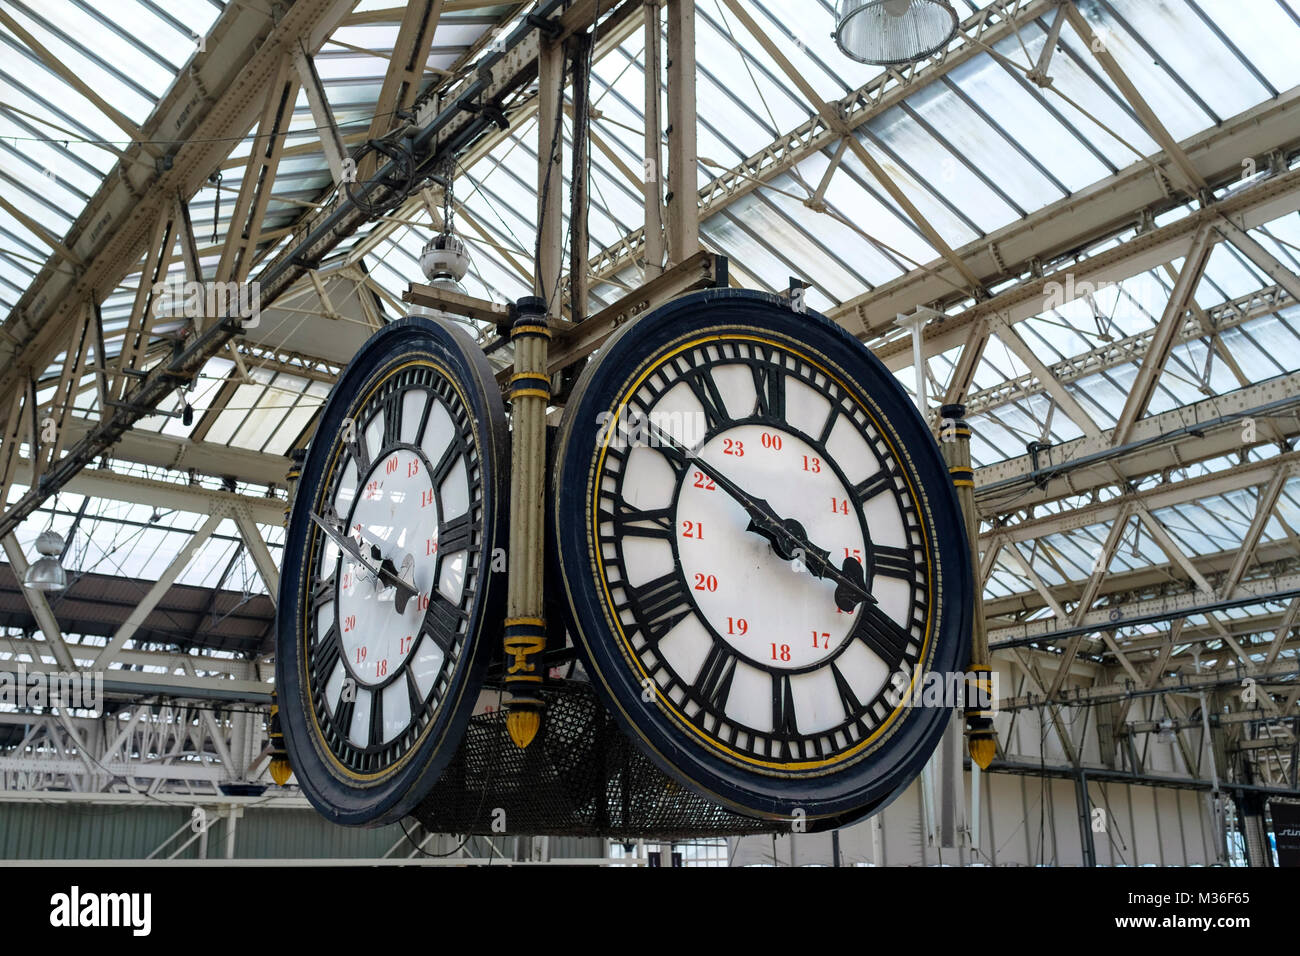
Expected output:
(388, 582)
(763, 555)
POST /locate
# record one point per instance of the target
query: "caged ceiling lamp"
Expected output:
(891, 32)
(46, 573)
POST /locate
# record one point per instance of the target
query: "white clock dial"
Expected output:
(390, 592)
(742, 493)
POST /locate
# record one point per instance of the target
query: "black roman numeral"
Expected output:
(343, 712)
(376, 717)
(416, 698)
(323, 590)
(656, 523)
(393, 417)
(879, 632)
(829, 427)
(894, 562)
(328, 650)
(456, 535)
(784, 727)
(866, 490)
(445, 464)
(660, 604)
(713, 684)
(706, 391)
(849, 700)
(442, 621)
(769, 387)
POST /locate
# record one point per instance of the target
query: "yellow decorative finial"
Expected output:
(523, 726)
(982, 750)
(280, 771)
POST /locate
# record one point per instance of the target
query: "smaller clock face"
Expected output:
(385, 590)
(403, 492)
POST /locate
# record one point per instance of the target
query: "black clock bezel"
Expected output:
(391, 792)
(843, 791)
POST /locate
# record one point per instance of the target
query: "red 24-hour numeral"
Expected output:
(823, 637)
(731, 447)
(426, 498)
(361, 655)
(412, 469)
(812, 464)
(381, 667)
(704, 481)
(771, 441)
(430, 546)
(781, 655)
(706, 582)
(855, 553)
(349, 623)
(404, 644)
(390, 466)
(692, 529)
(840, 506)
(737, 625)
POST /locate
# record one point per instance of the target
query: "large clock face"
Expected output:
(396, 518)
(764, 557)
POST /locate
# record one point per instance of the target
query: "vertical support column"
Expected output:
(550, 176)
(530, 393)
(579, 257)
(654, 190)
(1085, 819)
(525, 627)
(683, 163)
(981, 738)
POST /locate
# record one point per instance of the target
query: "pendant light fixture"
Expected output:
(891, 32)
(46, 573)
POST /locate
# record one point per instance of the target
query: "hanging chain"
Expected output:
(447, 171)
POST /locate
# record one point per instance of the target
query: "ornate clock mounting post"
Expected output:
(525, 626)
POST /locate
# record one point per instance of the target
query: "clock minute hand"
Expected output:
(785, 536)
(380, 572)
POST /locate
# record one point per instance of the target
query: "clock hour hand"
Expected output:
(787, 536)
(385, 572)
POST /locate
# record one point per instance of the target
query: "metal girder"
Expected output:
(1274, 472)
(208, 106)
(327, 128)
(1197, 324)
(836, 122)
(1067, 402)
(1162, 341)
(986, 27)
(39, 607)
(1068, 228)
(258, 550)
(1154, 126)
(1168, 607)
(1178, 684)
(150, 448)
(83, 657)
(683, 214)
(405, 69)
(1078, 466)
(161, 587)
(455, 123)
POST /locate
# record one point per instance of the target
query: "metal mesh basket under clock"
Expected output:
(581, 776)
